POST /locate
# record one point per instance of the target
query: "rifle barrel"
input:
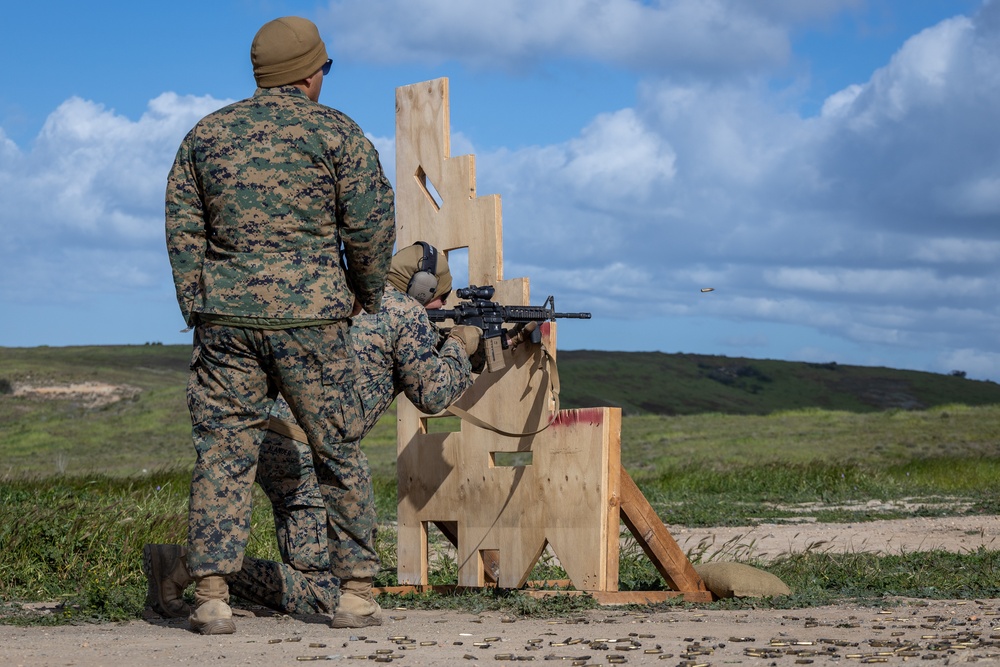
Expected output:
(528, 313)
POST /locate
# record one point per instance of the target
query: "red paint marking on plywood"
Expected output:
(591, 416)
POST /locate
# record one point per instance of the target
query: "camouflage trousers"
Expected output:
(319, 544)
(315, 532)
(236, 375)
(283, 588)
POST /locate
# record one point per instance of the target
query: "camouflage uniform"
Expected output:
(261, 195)
(399, 350)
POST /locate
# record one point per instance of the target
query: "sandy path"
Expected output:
(768, 541)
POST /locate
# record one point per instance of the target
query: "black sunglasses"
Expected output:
(326, 67)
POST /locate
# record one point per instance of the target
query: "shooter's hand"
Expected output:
(523, 334)
(468, 336)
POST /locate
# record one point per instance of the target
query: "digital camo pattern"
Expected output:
(288, 478)
(304, 518)
(398, 351)
(235, 375)
(260, 196)
(285, 589)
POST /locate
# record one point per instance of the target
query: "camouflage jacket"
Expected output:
(259, 199)
(401, 351)
(398, 351)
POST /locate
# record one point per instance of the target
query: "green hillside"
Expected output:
(147, 427)
(685, 384)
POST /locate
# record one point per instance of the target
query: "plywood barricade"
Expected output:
(501, 500)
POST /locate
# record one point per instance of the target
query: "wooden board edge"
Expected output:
(611, 598)
(603, 598)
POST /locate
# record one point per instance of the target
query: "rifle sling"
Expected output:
(287, 429)
(548, 366)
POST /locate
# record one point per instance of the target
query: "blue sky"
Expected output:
(831, 168)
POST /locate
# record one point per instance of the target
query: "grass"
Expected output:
(78, 539)
(652, 443)
(43, 437)
(773, 492)
(82, 488)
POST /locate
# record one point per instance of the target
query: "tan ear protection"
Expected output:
(424, 281)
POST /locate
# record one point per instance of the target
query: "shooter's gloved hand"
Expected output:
(525, 333)
(468, 336)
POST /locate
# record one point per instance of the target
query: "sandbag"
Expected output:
(728, 580)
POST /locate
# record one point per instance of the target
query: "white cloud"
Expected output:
(673, 36)
(898, 283)
(876, 221)
(977, 364)
(912, 147)
(83, 209)
(8, 149)
(617, 157)
(841, 101)
(94, 172)
(920, 76)
(957, 250)
(386, 147)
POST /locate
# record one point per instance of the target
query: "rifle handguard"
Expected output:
(481, 312)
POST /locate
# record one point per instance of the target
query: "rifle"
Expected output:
(480, 311)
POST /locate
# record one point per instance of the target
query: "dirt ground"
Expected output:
(89, 394)
(943, 632)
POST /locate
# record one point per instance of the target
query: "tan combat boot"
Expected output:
(212, 614)
(357, 608)
(166, 578)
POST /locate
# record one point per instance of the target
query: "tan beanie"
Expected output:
(405, 264)
(286, 50)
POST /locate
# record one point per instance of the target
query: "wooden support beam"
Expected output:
(655, 540)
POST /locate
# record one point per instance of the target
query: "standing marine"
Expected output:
(279, 226)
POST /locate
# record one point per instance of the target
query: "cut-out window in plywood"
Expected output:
(428, 187)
